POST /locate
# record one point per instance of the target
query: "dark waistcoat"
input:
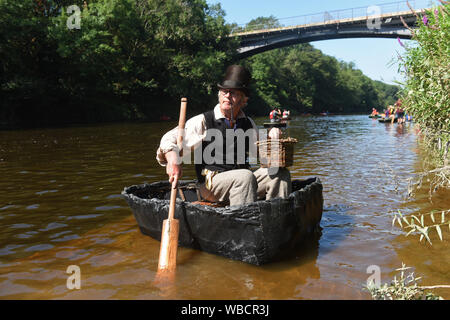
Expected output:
(225, 165)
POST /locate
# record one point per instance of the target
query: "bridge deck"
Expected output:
(319, 24)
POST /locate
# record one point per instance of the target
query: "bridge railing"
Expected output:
(353, 13)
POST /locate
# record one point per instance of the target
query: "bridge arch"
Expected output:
(390, 26)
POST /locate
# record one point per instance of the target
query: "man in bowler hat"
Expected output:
(226, 176)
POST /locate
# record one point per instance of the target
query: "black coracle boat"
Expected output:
(256, 233)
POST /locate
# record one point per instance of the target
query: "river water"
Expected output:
(60, 205)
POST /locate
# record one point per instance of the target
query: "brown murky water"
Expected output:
(60, 205)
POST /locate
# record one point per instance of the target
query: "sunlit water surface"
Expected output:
(60, 205)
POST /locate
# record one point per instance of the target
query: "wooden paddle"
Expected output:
(171, 227)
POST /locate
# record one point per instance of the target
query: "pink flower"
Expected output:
(436, 14)
(425, 20)
(400, 41)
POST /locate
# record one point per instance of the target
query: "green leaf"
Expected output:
(426, 235)
(438, 229)
(406, 221)
(416, 218)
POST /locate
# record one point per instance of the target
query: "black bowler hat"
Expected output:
(236, 77)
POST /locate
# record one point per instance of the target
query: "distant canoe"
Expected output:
(375, 116)
(256, 233)
(386, 120)
(275, 124)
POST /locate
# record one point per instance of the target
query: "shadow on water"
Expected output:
(336, 226)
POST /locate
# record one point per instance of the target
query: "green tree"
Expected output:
(262, 23)
(129, 58)
(303, 79)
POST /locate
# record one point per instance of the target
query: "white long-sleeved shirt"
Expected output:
(194, 133)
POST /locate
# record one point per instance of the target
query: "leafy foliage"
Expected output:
(257, 24)
(131, 57)
(404, 288)
(304, 80)
(426, 91)
(417, 224)
(128, 58)
(426, 97)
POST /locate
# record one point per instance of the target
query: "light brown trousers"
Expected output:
(242, 186)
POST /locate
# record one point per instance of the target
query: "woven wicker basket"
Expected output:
(276, 153)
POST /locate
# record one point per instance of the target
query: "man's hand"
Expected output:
(173, 168)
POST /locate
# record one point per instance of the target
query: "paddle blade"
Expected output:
(169, 245)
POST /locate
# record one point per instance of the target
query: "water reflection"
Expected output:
(60, 206)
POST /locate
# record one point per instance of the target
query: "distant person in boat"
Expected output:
(285, 114)
(374, 112)
(274, 115)
(221, 179)
(400, 112)
(408, 117)
(390, 113)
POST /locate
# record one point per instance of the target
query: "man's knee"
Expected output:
(245, 177)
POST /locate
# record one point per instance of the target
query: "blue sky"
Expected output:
(373, 56)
